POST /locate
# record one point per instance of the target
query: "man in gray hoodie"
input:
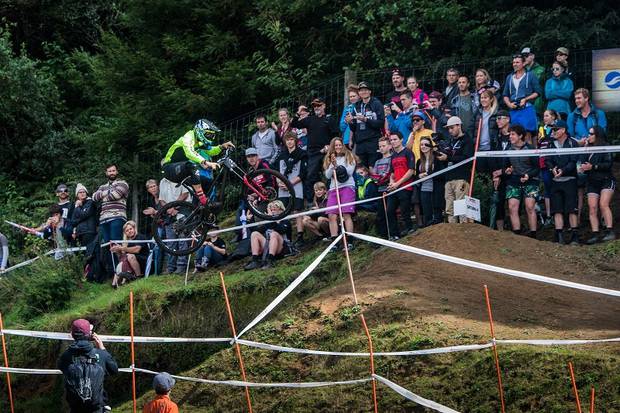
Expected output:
(264, 140)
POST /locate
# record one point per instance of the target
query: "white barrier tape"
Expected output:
(548, 152)
(559, 342)
(291, 287)
(30, 261)
(441, 350)
(17, 370)
(486, 267)
(414, 397)
(113, 339)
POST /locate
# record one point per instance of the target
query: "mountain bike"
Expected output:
(192, 221)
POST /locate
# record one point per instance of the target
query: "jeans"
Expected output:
(174, 262)
(431, 207)
(158, 254)
(110, 231)
(314, 168)
(400, 199)
(209, 254)
(381, 222)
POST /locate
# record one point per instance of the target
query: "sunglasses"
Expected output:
(425, 145)
(561, 54)
(556, 69)
(591, 133)
(502, 117)
(62, 191)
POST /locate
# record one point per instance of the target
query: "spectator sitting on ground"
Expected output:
(367, 125)
(84, 366)
(460, 148)
(365, 187)
(402, 172)
(431, 197)
(270, 240)
(264, 140)
(601, 185)
(292, 163)
(132, 256)
(162, 384)
(522, 182)
(402, 121)
(213, 252)
(318, 223)
(345, 129)
(84, 217)
(4, 252)
(380, 172)
(559, 90)
(584, 117)
(417, 94)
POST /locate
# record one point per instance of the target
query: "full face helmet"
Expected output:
(205, 130)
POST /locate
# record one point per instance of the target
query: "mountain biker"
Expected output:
(191, 152)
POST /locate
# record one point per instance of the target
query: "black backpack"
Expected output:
(84, 382)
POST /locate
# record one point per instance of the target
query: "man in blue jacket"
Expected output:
(366, 125)
(520, 91)
(402, 121)
(584, 117)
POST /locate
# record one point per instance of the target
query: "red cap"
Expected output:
(80, 328)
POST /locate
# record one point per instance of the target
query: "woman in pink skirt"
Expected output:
(339, 165)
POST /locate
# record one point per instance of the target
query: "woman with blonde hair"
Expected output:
(338, 166)
(132, 256)
(484, 82)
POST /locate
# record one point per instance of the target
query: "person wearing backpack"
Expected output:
(85, 364)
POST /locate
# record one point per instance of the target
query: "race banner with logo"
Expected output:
(606, 79)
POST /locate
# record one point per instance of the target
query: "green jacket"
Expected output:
(188, 147)
(539, 72)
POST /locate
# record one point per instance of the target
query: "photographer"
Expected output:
(367, 125)
(84, 366)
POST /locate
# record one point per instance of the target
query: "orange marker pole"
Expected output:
(133, 354)
(592, 400)
(231, 321)
(500, 387)
(473, 167)
(575, 391)
(387, 221)
(6, 364)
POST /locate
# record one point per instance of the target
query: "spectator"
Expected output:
(132, 256)
(302, 133)
(365, 187)
(561, 56)
(213, 252)
(460, 148)
(162, 384)
(345, 129)
(465, 105)
(532, 66)
(318, 223)
(84, 365)
(264, 140)
(84, 217)
(293, 163)
(254, 160)
(417, 94)
(501, 143)
(402, 171)
(486, 121)
(558, 90)
(381, 174)
(284, 125)
(367, 125)
(4, 252)
(452, 90)
(112, 197)
(522, 182)
(321, 129)
(398, 81)
(430, 196)
(64, 202)
(170, 192)
(57, 231)
(270, 240)
(584, 117)
(520, 90)
(564, 186)
(439, 114)
(601, 186)
(402, 121)
(339, 164)
(484, 82)
(545, 141)
(418, 131)
(153, 203)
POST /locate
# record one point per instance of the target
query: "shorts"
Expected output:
(177, 171)
(298, 204)
(582, 180)
(522, 191)
(525, 117)
(347, 194)
(596, 187)
(564, 197)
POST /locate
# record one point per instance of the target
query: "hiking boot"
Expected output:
(574, 238)
(596, 237)
(268, 263)
(252, 265)
(609, 235)
(559, 237)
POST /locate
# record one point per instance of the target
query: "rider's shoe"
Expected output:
(202, 199)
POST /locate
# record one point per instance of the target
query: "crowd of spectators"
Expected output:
(376, 146)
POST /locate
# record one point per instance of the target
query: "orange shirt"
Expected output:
(161, 404)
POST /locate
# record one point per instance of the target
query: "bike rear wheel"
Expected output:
(262, 188)
(187, 222)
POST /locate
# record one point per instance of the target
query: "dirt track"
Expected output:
(434, 291)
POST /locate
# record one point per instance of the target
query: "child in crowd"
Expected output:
(380, 172)
(366, 188)
(318, 223)
(270, 241)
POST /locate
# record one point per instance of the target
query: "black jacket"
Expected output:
(602, 164)
(567, 163)
(370, 130)
(521, 166)
(493, 129)
(320, 130)
(85, 218)
(458, 150)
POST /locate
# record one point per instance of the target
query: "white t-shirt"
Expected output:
(168, 191)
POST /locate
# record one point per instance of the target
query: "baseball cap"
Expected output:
(526, 50)
(559, 124)
(435, 95)
(62, 188)
(454, 120)
(163, 382)
(562, 50)
(397, 71)
(251, 152)
(318, 102)
(504, 113)
(363, 85)
(81, 328)
(418, 114)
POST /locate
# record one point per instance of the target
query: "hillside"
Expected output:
(410, 302)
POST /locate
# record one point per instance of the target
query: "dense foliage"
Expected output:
(86, 82)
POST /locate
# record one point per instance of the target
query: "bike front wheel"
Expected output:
(187, 224)
(261, 188)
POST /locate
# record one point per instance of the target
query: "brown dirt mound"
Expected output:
(439, 292)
